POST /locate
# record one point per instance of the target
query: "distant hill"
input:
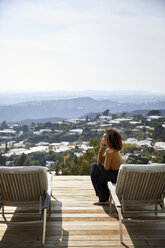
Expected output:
(144, 112)
(41, 120)
(128, 114)
(121, 96)
(69, 108)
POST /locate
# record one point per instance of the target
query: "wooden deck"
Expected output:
(75, 222)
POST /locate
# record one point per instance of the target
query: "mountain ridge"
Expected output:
(69, 108)
(134, 96)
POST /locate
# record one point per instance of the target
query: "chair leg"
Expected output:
(50, 204)
(110, 205)
(2, 206)
(40, 210)
(120, 224)
(156, 208)
(44, 226)
(162, 196)
(122, 203)
(3, 210)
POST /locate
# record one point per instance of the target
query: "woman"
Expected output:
(108, 164)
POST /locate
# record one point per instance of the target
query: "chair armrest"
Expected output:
(47, 200)
(50, 183)
(114, 195)
(49, 191)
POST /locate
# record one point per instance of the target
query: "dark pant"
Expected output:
(100, 177)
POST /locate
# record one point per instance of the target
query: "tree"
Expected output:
(25, 128)
(106, 112)
(159, 131)
(21, 159)
(140, 159)
(48, 125)
(138, 117)
(27, 162)
(6, 147)
(160, 157)
(129, 148)
(153, 112)
(123, 114)
(4, 125)
(2, 160)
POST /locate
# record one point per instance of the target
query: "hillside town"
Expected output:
(60, 145)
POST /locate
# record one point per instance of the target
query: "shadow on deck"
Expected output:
(30, 235)
(76, 222)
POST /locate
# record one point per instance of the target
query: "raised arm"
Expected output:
(101, 156)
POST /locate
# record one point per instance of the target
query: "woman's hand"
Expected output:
(102, 144)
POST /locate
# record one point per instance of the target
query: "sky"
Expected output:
(76, 45)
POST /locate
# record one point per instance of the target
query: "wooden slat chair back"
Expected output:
(30, 185)
(138, 185)
(21, 184)
(141, 183)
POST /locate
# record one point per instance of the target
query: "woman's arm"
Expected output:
(101, 157)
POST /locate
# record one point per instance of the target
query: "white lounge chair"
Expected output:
(30, 185)
(138, 185)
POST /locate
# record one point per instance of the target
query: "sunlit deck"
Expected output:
(75, 222)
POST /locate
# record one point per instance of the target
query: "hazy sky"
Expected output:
(82, 45)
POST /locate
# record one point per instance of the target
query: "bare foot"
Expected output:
(101, 203)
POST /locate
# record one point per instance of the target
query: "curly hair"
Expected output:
(114, 138)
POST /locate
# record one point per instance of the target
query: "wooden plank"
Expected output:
(76, 223)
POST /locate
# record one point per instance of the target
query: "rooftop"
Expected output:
(76, 222)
